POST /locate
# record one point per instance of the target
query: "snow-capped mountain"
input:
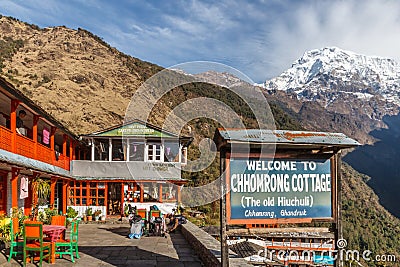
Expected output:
(329, 74)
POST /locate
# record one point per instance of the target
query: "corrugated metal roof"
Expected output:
(155, 179)
(28, 163)
(286, 137)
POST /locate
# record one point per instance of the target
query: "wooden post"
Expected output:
(224, 244)
(31, 200)
(64, 150)
(122, 199)
(53, 182)
(28, 200)
(35, 134)
(13, 124)
(70, 148)
(92, 150)
(53, 155)
(109, 149)
(160, 193)
(178, 193)
(339, 232)
(141, 193)
(135, 187)
(65, 196)
(14, 187)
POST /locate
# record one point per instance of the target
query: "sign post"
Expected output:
(224, 243)
(271, 177)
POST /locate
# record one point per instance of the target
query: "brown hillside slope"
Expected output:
(72, 74)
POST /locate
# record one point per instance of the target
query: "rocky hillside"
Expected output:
(73, 74)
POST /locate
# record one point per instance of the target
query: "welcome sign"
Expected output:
(262, 189)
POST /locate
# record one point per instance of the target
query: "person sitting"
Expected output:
(20, 123)
(172, 223)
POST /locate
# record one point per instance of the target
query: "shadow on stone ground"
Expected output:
(108, 245)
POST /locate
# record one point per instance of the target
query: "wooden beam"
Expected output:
(35, 134)
(53, 182)
(178, 194)
(70, 148)
(28, 200)
(141, 193)
(92, 150)
(52, 133)
(14, 187)
(64, 151)
(13, 124)
(122, 199)
(160, 193)
(64, 196)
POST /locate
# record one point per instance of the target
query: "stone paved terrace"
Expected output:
(108, 245)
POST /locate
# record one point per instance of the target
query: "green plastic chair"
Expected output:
(33, 241)
(69, 246)
(16, 240)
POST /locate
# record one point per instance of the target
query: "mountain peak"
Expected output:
(327, 73)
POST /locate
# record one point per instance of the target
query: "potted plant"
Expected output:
(97, 214)
(71, 214)
(89, 214)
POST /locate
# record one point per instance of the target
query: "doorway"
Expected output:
(114, 198)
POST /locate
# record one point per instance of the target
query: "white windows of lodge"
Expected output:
(154, 152)
(110, 149)
(87, 193)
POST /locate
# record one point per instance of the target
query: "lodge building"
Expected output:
(132, 163)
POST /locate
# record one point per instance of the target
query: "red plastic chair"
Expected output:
(33, 241)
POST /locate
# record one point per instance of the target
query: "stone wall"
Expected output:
(208, 248)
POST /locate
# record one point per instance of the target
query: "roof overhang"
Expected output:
(282, 139)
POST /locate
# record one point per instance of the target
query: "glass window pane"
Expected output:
(171, 151)
(101, 149)
(101, 193)
(118, 150)
(136, 151)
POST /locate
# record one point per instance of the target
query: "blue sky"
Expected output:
(260, 38)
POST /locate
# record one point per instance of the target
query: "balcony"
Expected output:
(26, 147)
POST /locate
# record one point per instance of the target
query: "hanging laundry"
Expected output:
(24, 187)
(46, 136)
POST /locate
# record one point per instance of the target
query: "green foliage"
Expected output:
(8, 47)
(45, 215)
(71, 213)
(42, 188)
(366, 224)
(89, 212)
